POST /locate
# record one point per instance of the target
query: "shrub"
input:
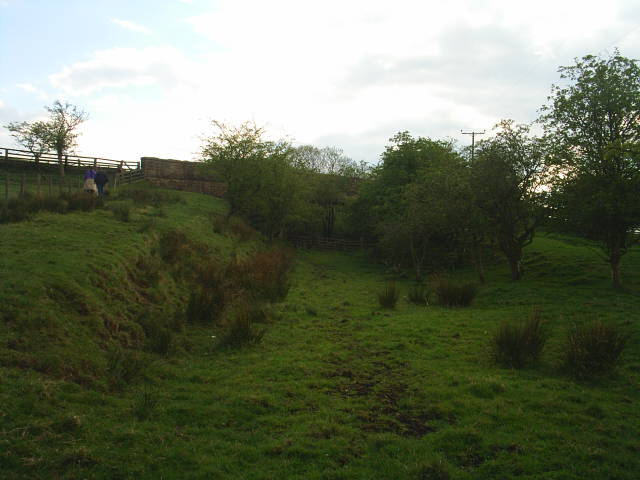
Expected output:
(388, 297)
(121, 212)
(239, 331)
(418, 295)
(206, 304)
(518, 345)
(452, 294)
(239, 228)
(265, 274)
(593, 349)
(82, 201)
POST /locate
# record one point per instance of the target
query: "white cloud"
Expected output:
(131, 26)
(27, 87)
(124, 67)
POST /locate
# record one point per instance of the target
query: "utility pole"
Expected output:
(473, 140)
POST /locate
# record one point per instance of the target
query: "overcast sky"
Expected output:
(351, 74)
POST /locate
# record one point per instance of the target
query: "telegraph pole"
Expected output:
(473, 140)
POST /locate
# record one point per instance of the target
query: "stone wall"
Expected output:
(181, 175)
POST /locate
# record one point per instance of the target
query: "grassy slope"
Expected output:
(337, 389)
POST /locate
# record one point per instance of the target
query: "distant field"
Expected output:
(337, 388)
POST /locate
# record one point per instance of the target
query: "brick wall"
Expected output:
(181, 175)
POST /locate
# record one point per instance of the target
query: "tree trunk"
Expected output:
(60, 163)
(614, 260)
(477, 261)
(516, 268)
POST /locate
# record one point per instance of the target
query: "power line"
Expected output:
(473, 140)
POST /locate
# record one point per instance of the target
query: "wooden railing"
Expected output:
(80, 161)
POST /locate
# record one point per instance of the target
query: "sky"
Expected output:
(153, 74)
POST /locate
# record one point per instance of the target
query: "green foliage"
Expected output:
(519, 345)
(592, 121)
(22, 208)
(452, 294)
(172, 244)
(262, 184)
(593, 349)
(388, 296)
(507, 177)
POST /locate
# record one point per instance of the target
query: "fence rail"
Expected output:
(326, 243)
(80, 161)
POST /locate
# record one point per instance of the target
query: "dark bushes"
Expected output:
(240, 330)
(388, 296)
(450, 294)
(23, 207)
(593, 349)
(263, 275)
(518, 345)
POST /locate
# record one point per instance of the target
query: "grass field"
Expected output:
(338, 388)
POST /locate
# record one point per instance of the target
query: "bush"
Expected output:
(418, 295)
(206, 304)
(516, 346)
(388, 297)
(239, 331)
(82, 201)
(452, 294)
(264, 275)
(593, 349)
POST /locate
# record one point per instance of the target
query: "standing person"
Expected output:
(89, 181)
(101, 180)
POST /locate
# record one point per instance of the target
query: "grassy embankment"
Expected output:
(338, 388)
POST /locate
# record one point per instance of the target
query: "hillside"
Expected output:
(337, 388)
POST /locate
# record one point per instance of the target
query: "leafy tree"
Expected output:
(262, 184)
(35, 137)
(64, 119)
(508, 178)
(594, 122)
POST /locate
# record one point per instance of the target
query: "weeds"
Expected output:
(452, 294)
(516, 346)
(265, 275)
(240, 331)
(388, 297)
(23, 207)
(593, 349)
(172, 244)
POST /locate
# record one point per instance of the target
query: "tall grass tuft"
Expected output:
(123, 367)
(518, 345)
(418, 295)
(593, 349)
(240, 330)
(451, 294)
(264, 275)
(146, 402)
(388, 296)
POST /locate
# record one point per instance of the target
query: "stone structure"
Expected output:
(181, 175)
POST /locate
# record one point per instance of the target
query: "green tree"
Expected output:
(508, 178)
(64, 119)
(34, 136)
(262, 184)
(594, 122)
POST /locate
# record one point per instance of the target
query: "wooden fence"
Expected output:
(78, 161)
(326, 243)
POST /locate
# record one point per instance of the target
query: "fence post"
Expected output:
(95, 163)
(50, 186)
(6, 186)
(38, 184)
(22, 185)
